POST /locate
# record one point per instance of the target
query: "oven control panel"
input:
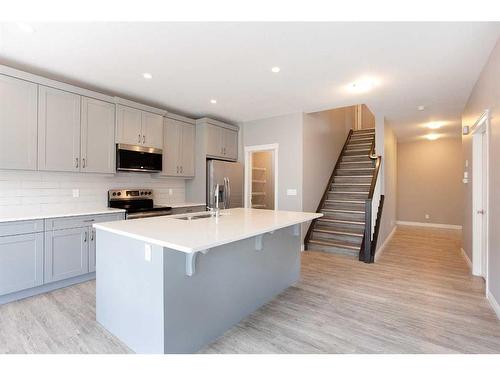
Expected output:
(130, 194)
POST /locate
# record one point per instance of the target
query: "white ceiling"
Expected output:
(430, 64)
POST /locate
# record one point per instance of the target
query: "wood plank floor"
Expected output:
(418, 298)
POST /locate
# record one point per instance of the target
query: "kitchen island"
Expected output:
(174, 284)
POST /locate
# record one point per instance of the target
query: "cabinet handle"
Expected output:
(85, 236)
(139, 138)
(143, 139)
(84, 163)
(76, 162)
(92, 235)
(177, 169)
(181, 168)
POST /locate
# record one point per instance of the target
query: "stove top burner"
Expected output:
(137, 203)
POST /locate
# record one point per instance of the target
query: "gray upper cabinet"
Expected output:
(97, 136)
(18, 124)
(221, 142)
(152, 130)
(58, 130)
(179, 145)
(21, 262)
(136, 127)
(66, 253)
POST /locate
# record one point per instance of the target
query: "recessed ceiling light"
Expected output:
(432, 136)
(362, 85)
(147, 75)
(434, 125)
(420, 107)
(213, 101)
(275, 69)
(25, 27)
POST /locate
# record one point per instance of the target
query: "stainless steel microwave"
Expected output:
(134, 158)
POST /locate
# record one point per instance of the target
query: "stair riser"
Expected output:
(364, 164)
(352, 188)
(364, 131)
(345, 206)
(347, 196)
(356, 140)
(356, 153)
(354, 180)
(345, 171)
(358, 146)
(352, 240)
(346, 227)
(344, 216)
(333, 250)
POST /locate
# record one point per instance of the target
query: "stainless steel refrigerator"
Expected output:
(229, 176)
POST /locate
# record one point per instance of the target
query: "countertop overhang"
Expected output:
(191, 236)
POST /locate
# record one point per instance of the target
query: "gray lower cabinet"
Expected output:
(92, 250)
(21, 262)
(66, 253)
(188, 209)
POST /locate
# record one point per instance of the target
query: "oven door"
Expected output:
(138, 158)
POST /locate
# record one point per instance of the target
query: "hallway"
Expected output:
(418, 298)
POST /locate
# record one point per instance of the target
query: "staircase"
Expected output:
(343, 227)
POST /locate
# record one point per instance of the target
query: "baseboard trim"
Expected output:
(382, 247)
(432, 225)
(466, 257)
(494, 304)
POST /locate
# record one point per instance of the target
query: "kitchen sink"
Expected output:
(195, 217)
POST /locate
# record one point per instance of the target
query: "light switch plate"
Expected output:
(147, 252)
(291, 191)
(427, 216)
(76, 193)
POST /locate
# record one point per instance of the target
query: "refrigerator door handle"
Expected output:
(228, 193)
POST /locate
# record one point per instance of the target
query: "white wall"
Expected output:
(40, 191)
(287, 132)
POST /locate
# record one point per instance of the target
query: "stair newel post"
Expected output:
(368, 231)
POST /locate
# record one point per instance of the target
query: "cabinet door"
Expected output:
(21, 262)
(58, 130)
(128, 125)
(98, 136)
(186, 154)
(18, 124)
(66, 253)
(152, 130)
(213, 139)
(171, 147)
(92, 247)
(230, 144)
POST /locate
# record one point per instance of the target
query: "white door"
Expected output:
(128, 125)
(171, 142)
(58, 130)
(480, 199)
(152, 130)
(187, 150)
(18, 123)
(98, 136)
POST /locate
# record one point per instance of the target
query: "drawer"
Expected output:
(187, 210)
(80, 221)
(21, 227)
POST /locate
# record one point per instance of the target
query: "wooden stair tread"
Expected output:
(326, 219)
(338, 231)
(342, 211)
(343, 245)
(344, 201)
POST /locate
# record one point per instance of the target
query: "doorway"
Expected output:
(480, 169)
(261, 177)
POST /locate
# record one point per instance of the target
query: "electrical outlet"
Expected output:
(170, 192)
(147, 252)
(291, 191)
(76, 193)
(427, 216)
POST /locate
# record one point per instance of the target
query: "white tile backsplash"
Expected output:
(42, 191)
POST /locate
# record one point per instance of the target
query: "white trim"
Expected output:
(248, 167)
(480, 202)
(185, 119)
(466, 257)
(211, 121)
(142, 107)
(380, 250)
(493, 302)
(432, 225)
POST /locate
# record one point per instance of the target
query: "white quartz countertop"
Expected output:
(191, 236)
(22, 214)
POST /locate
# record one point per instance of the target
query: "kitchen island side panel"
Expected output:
(229, 283)
(129, 291)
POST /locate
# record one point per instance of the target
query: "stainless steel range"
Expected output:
(138, 203)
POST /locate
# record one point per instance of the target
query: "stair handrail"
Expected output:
(366, 252)
(328, 186)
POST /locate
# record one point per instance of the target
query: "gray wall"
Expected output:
(287, 132)
(486, 94)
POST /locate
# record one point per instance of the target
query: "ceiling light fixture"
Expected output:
(25, 27)
(275, 69)
(213, 101)
(432, 136)
(362, 85)
(147, 75)
(434, 125)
